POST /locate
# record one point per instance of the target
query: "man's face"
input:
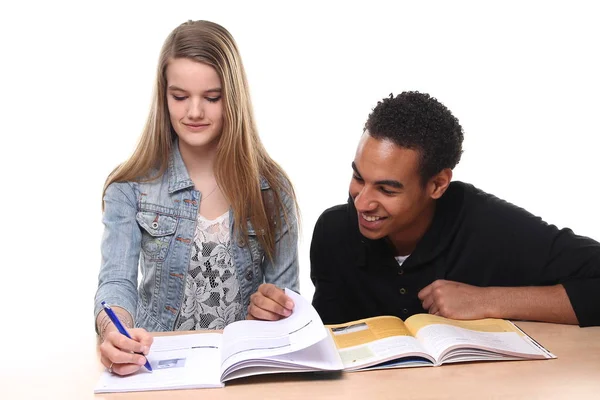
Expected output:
(387, 190)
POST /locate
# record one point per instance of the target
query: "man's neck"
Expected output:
(405, 242)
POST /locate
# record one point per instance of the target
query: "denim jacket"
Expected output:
(153, 224)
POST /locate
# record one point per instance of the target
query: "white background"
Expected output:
(521, 76)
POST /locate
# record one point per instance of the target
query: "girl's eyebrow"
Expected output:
(214, 90)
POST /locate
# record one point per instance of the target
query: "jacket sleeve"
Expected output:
(282, 271)
(328, 298)
(120, 250)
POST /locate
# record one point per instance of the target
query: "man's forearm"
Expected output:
(533, 303)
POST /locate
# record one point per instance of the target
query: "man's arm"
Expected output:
(532, 269)
(327, 299)
(534, 303)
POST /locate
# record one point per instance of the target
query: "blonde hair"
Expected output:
(241, 159)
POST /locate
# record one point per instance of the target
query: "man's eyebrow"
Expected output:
(389, 182)
(214, 90)
(385, 182)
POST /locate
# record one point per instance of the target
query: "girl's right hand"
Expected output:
(117, 351)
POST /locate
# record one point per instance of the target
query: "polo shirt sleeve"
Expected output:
(545, 255)
(575, 260)
(521, 249)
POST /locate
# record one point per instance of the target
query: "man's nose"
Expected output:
(364, 200)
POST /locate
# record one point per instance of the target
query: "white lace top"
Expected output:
(212, 297)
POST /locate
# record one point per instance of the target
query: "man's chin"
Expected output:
(371, 234)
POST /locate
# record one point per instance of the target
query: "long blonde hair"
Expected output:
(241, 158)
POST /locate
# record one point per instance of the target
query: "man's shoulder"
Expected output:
(471, 197)
(337, 221)
(486, 209)
(336, 215)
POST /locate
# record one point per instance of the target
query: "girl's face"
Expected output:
(194, 102)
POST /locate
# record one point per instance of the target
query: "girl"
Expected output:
(200, 206)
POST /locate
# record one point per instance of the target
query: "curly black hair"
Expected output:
(418, 121)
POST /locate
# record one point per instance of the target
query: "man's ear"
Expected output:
(438, 184)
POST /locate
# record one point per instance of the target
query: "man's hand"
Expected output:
(455, 300)
(269, 303)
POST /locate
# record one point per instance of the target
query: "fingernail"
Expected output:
(141, 361)
(145, 349)
(287, 312)
(289, 304)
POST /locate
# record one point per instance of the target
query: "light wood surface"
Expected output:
(574, 374)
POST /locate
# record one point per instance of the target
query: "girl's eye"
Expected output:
(213, 99)
(179, 98)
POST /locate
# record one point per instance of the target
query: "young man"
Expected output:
(411, 241)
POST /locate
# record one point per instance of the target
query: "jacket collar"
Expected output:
(176, 171)
(178, 175)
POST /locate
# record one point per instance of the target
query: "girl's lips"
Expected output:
(196, 127)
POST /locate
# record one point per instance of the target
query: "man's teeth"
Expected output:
(371, 218)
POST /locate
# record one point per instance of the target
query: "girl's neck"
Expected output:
(199, 161)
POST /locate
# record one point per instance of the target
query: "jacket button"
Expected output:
(402, 291)
(249, 275)
(400, 271)
(404, 311)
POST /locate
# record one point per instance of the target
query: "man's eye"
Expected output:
(384, 190)
(358, 178)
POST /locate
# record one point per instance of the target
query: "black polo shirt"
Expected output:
(474, 238)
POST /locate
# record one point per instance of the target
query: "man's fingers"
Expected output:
(434, 310)
(277, 295)
(423, 293)
(427, 302)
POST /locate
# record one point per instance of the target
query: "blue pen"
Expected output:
(121, 328)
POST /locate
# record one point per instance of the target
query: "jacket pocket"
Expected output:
(157, 232)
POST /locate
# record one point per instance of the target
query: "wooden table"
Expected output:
(574, 374)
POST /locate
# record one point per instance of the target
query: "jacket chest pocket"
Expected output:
(157, 233)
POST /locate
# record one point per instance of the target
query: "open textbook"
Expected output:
(301, 343)
(429, 340)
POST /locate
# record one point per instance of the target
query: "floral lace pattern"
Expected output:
(212, 296)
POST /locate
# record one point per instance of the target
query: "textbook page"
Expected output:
(178, 362)
(321, 356)
(486, 339)
(376, 342)
(245, 342)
